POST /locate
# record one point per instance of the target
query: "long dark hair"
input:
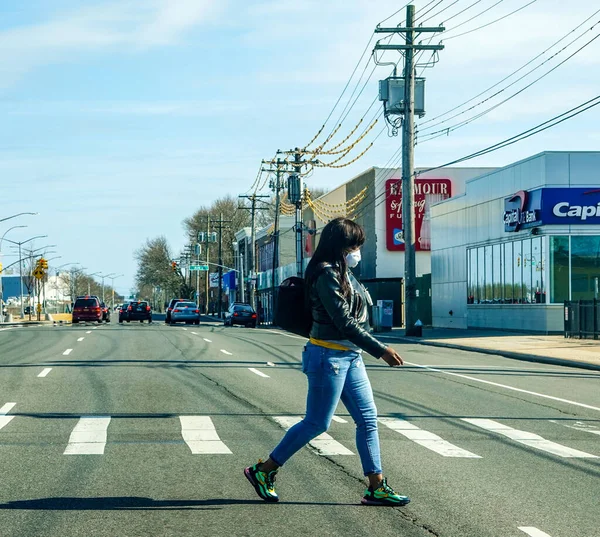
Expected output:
(339, 236)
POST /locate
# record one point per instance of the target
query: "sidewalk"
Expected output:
(547, 349)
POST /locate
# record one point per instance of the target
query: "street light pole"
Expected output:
(21, 261)
(112, 285)
(1, 269)
(15, 215)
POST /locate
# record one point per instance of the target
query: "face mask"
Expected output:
(353, 259)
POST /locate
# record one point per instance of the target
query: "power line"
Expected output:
(461, 124)
(441, 11)
(475, 16)
(490, 23)
(511, 74)
(429, 10)
(552, 122)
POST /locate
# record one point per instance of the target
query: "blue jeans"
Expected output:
(334, 375)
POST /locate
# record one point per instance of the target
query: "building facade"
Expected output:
(517, 243)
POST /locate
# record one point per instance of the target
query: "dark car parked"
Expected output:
(105, 312)
(87, 309)
(123, 312)
(170, 308)
(139, 311)
(243, 314)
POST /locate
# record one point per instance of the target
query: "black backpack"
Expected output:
(292, 312)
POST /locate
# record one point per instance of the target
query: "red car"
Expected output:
(87, 309)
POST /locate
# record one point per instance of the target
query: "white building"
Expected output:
(517, 243)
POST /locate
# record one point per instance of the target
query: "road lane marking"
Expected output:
(89, 332)
(339, 420)
(533, 532)
(195, 333)
(583, 405)
(67, 352)
(580, 426)
(45, 372)
(184, 328)
(200, 435)
(284, 334)
(226, 352)
(529, 439)
(259, 373)
(426, 439)
(4, 419)
(322, 444)
(88, 436)
(81, 339)
(207, 340)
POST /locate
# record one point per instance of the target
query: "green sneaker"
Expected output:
(262, 482)
(384, 495)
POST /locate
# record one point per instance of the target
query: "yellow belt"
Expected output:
(328, 344)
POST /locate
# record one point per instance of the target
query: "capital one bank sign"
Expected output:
(552, 206)
(432, 189)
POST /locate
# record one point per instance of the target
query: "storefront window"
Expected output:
(585, 267)
(508, 273)
(526, 262)
(498, 273)
(472, 284)
(489, 267)
(537, 268)
(559, 269)
(480, 275)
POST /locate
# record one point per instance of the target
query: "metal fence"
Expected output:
(582, 318)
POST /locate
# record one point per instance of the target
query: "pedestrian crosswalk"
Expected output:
(206, 435)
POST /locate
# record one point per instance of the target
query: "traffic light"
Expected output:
(43, 263)
(174, 266)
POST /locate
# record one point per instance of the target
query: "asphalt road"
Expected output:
(144, 430)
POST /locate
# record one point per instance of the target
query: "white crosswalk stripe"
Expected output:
(88, 436)
(201, 436)
(426, 439)
(529, 439)
(4, 419)
(322, 444)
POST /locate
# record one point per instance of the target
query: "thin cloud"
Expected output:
(127, 25)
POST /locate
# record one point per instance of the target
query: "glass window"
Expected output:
(480, 276)
(526, 262)
(497, 274)
(517, 263)
(559, 269)
(508, 273)
(537, 268)
(472, 284)
(489, 264)
(585, 267)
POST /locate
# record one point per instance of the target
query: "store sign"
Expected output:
(575, 206)
(552, 206)
(523, 210)
(438, 189)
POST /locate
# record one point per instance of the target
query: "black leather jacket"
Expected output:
(337, 318)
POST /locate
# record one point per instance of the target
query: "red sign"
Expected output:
(432, 189)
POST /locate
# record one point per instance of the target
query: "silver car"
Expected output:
(185, 312)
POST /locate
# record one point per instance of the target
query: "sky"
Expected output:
(121, 118)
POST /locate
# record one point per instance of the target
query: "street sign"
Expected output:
(38, 273)
(203, 268)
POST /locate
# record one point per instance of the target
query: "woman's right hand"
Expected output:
(392, 358)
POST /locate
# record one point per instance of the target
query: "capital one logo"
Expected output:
(564, 209)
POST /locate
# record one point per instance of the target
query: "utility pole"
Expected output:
(222, 224)
(299, 224)
(252, 257)
(207, 260)
(408, 155)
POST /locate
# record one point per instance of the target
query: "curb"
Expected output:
(524, 357)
